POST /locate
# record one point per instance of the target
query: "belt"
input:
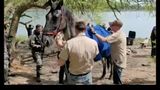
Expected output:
(79, 74)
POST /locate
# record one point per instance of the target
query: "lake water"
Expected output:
(139, 21)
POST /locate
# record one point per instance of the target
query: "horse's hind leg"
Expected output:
(109, 66)
(111, 71)
(104, 68)
(108, 61)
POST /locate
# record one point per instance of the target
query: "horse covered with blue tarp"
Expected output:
(104, 47)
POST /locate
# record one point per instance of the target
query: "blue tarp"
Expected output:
(104, 47)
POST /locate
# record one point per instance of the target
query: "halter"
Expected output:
(57, 29)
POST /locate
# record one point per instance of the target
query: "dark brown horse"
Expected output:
(61, 19)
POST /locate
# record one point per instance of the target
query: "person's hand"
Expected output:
(90, 25)
(92, 30)
(37, 46)
(64, 42)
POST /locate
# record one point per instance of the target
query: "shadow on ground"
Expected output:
(31, 79)
(140, 81)
(140, 56)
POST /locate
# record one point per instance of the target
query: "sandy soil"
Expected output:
(141, 69)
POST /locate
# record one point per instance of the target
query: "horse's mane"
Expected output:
(70, 20)
(69, 16)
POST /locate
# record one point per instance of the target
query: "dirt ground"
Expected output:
(141, 68)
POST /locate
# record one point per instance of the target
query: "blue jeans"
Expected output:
(117, 71)
(80, 80)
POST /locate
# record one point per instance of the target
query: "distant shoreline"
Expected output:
(133, 21)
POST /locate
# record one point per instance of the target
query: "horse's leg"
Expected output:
(108, 61)
(111, 71)
(104, 68)
(109, 66)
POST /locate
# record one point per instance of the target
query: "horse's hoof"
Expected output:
(38, 80)
(101, 78)
(110, 78)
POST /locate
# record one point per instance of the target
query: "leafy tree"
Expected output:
(13, 9)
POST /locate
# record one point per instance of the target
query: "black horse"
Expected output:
(61, 19)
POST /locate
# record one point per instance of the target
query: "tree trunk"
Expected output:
(13, 29)
(15, 21)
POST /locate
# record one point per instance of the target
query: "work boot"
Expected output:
(38, 68)
(38, 79)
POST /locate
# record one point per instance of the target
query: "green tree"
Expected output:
(13, 9)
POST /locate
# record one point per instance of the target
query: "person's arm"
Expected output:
(103, 39)
(26, 26)
(33, 44)
(60, 43)
(59, 40)
(22, 23)
(110, 39)
(61, 62)
(96, 50)
(63, 56)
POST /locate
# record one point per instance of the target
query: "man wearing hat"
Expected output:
(118, 48)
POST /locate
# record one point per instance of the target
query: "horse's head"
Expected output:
(55, 19)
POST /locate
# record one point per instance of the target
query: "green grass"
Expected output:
(21, 38)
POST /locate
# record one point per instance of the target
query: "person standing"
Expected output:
(118, 48)
(37, 47)
(60, 41)
(153, 42)
(80, 51)
(29, 28)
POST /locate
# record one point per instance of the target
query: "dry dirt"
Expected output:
(141, 69)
